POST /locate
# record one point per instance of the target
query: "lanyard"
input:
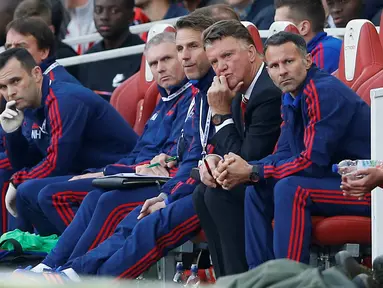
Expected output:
(204, 134)
(51, 67)
(176, 94)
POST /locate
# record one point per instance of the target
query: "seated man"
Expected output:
(324, 123)
(309, 17)
(112, 19)
(147, 233)
(44, 9)
(71, 125)
(245, 106)
(342, 12)
(161, 132)
(34, 35)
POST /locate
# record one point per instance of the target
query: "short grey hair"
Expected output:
(163, 37)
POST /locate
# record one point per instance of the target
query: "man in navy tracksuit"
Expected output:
(309, 17)
(71, 126)
(323, 122)
(34, 35)
(168, 220)
(160, 136)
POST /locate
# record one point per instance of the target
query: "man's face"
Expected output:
(111, 17)
(17, 84)
(191, 53)
(231, 58)
(163, 62)
(287, 67)
(343, 11)
(17, 40)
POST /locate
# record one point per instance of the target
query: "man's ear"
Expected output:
(309, 60)
(304, 28)
(44, 53)
(252, 53)
(37, 74)
(52, 29)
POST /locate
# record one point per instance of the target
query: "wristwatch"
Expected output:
(254, 175)
(218, 119)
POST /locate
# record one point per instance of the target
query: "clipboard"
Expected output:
(128, 180)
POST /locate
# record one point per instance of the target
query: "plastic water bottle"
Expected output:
(178, 277)
(350, 167)
(193, 280)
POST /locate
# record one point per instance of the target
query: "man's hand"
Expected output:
(206, 178)
(11, 118)
(151, 205)
(159, 171)
(162, 158)
(233, 171)
(220, 96)
(87, 175)
(373, 177)
(10, 200)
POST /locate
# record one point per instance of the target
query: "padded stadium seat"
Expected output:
(339, 230)
(361, 58)
(136, 98)
(279, 26)
(255, 35)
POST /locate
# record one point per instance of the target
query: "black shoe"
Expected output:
(349, 265)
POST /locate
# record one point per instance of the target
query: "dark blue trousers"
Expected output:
(96, 219)
(138, 244)
(291, 202)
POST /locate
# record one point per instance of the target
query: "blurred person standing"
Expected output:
(259, 12)
(161, 9)
(7, 7)
(81, 23)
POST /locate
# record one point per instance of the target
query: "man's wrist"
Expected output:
(254, 173)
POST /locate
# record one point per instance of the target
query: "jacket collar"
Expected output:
(173, 89)
(315, 41)
(204, 83)
(289, 100)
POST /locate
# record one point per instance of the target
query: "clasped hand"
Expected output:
(228, 173)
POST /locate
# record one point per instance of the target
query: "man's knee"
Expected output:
(93, 196)
(26, 190)
(287, 188)
(199, 195)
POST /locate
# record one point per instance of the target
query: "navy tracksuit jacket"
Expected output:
(59, 199)
(326, 123)
(136, 245)
(325, 51)
(55, 72)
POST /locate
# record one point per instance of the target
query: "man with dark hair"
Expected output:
(309, 17)
(344, 11)
(72, 128)
(112, 19)
(324, 122)
(43, 9)
(34, 35)
(168, 220)
(245, 108)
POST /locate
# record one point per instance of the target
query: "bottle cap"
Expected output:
(335, 168)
